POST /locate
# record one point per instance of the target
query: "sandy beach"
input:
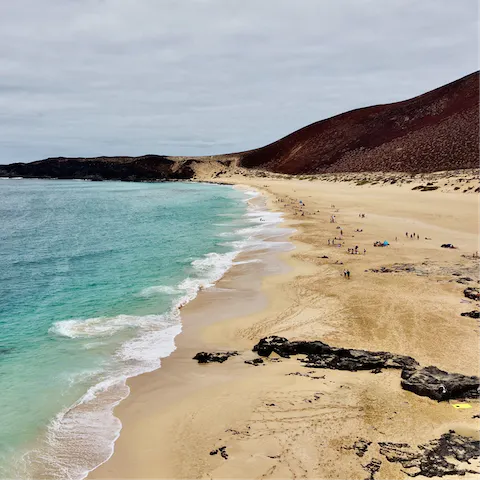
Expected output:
(281, 419)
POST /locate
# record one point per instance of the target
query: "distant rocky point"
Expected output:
(435, 131)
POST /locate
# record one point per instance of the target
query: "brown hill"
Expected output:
(434, 131)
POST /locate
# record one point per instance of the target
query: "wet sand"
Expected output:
(277, 425)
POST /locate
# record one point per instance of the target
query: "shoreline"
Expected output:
(153, 412)
(240, 261)
(244, 276)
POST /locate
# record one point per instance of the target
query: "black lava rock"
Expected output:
(472, 293)
(448, 455)
(440, 385)
(428, 381)
(219, 357)
(255, 362)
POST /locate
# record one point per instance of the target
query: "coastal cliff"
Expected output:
(435, 131)
(144, 168)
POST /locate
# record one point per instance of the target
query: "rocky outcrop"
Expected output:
(428, 381)
(282, 347)
(472, 293)
(321, 355)
(372, 467)
(448, 455)
(222, 451)
(145, 168)
(255, 362)
(440, 385)
(353, 360)
(360, 447)
(218, 357)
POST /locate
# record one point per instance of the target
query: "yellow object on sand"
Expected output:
(461, 405)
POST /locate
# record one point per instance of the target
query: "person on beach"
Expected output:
(418, 236)
(406, 234)
(364, 251)
(345, 273)
(348, 274)
(329, 241)
(341, 232)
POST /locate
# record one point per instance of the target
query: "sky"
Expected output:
(200, 77)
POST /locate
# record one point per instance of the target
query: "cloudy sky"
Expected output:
(197, 77)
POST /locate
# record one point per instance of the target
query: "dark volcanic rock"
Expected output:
(281, 346)
(361, 446)
(472, 314)
(448, 455)
(219, 357)
(255, 362)
(440, 385)
(472, 293)
(372, 468)
(429, 381)
(222, 451)
(351, 359)
(271, 344)
(321, 355)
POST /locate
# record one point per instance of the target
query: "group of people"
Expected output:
(354, 251)
(413, 235)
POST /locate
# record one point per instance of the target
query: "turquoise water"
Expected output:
(91, 277)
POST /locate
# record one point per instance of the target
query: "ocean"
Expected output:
(92, 275)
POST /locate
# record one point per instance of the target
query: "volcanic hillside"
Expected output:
(434, 131)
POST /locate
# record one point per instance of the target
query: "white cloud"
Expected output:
(198, 77)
